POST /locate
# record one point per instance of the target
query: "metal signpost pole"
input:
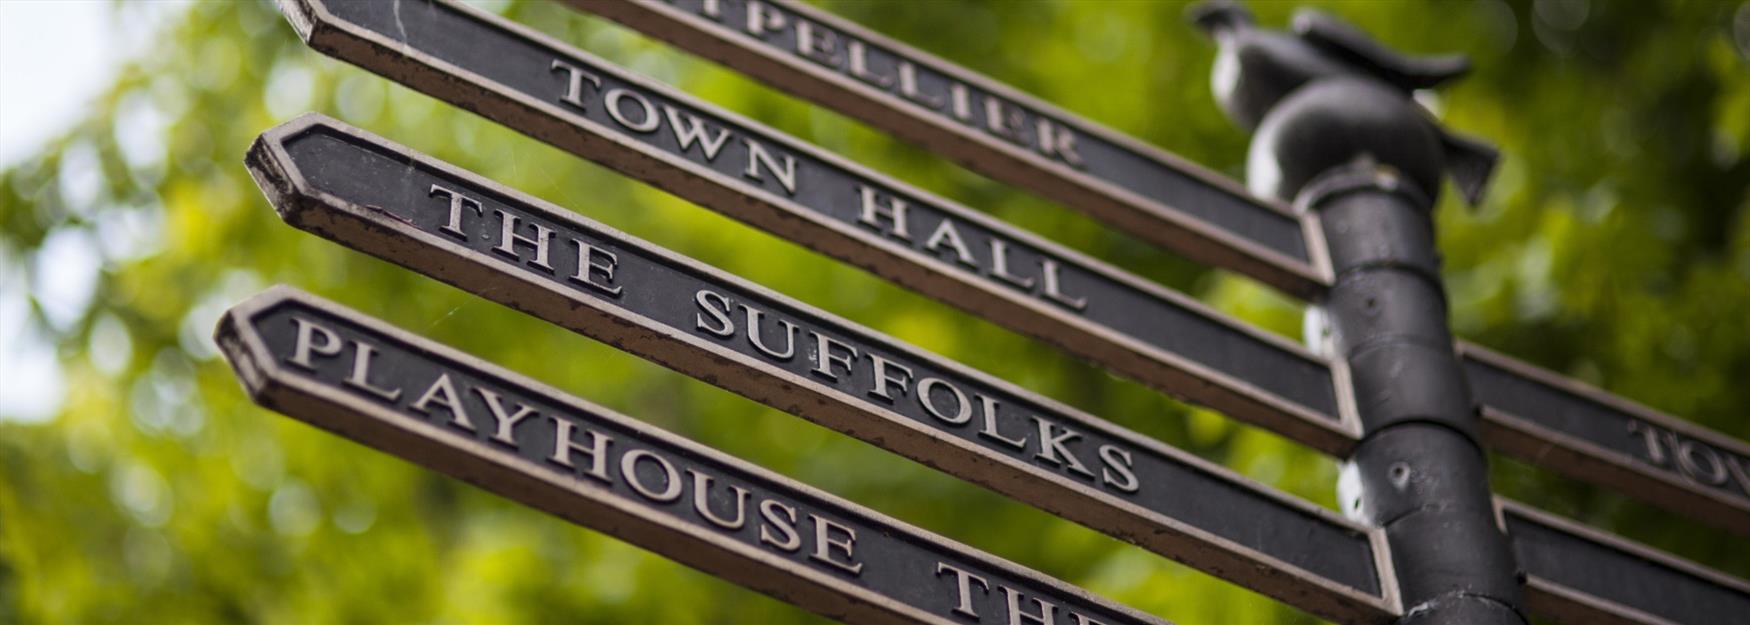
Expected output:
(1337, 132)
(1422, 474)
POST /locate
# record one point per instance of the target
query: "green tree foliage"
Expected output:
(1614, 247)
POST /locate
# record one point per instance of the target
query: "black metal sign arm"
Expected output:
(1586, 433)
(1581, 575)
(381, 386)
(381, 198)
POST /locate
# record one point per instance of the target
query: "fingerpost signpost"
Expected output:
(1531, 414)
(1344, 170)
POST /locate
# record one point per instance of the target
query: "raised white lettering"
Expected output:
(963, 586)
(884, 380)
(785, 539)
(825, 543)
(575, 77)
(946, 235)
(762, 18)
(1053, 289)
(999, 264)
(1715, 473)
(1736, 466)
(758, 158)
(702, 502)
(858, 54)
(873, 212)
(1117, 461)
(593, 261)
(671, 479)
(647, 122)
(825, 358)
(908, 87)
(1003, 119)
(443, 393)
(962, 408)
(508, 238)
(1650, 436)
(457, 203)
(690, 130)
(361, 372)
(564, 445)
(504, 422)
(306, 345)
(961, 98)
(1051, 447)
(1057, 141)
(1047, 610)
(989, 429)
(755, 334)
(817, 44)
(718, 311)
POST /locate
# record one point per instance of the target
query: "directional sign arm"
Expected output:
(1584, 432)
(1581, 575)
(992, 128)
(558, 94)
(365, 380)
(375, 196)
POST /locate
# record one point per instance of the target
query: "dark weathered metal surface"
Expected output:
(1349, 143)
(1577, 574)
(1421, 470)
(1580, 433)
(1578, 430)
(368, 381)
(560, 95)
(992, 128)
(372, 195)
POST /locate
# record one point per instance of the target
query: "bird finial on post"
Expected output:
(1326, 95)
